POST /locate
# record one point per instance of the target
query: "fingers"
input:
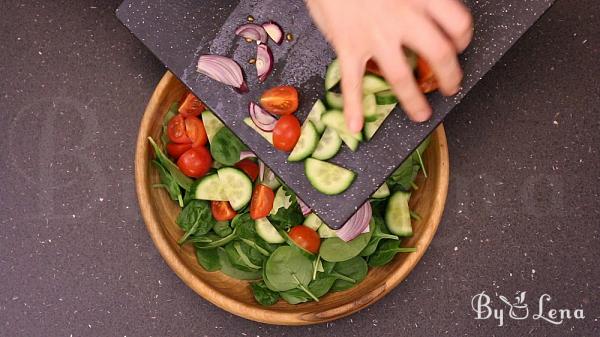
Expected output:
(399, 75)
(352, 69)
(430, 43)
(454, 18)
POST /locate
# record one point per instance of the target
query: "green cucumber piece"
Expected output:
(382, 112)
(335, 120)
(350, 141)
(209, 188)
(369, 104)
(325, 232)
(372, 84)
(334, 100)
(397, 214)
(333, 75)
(267, 231)
(211, 124)
(315, 115)
(382, 192)
(385, 97)
(268, 136)
(306, 144)
(237, 186)
(313, 222)
(328, 145)
(328, 178)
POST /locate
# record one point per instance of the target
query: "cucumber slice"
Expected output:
(350, 141)
(397, 214)
(385, 97)
(306, 144)
(268, 136)
(281, 200)
(382, 192)
(333, 75)
(373, 84)
(209, 188)
(315, 115)
(267, 231)
(313, 222)
(382, 112)
(328, 178)
(334, 100)
(237, 186)
(325, 232)
(335, 120)
(329, 145)
(369, 104)
(211, 124)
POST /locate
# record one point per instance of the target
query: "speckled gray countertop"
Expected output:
(75, 259)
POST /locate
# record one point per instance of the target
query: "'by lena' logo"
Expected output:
(519, 309)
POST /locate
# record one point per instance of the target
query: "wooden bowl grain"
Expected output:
(159, 213)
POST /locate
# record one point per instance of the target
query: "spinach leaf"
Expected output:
(230, 270)
(167, 182)
(212, 241)
(319, 287)
(287, 269)
(336, 250)
(386, 252)
(263, 294)
(226, 147)
(244, 225)
(286, 218)
(222, 229)
(380, 232)
(208, 259)
(196, 219)
(181, 179)
(356, 269)
(238, 257)
(403, 177)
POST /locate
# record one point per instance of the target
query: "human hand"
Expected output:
(359, 30)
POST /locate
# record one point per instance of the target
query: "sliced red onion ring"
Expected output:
(263, 120)
(252, 31)
(224, 70)
(304, 207)
(274, 31)
(264, 62)
(247, 154)
(356, 224)
(261, 170)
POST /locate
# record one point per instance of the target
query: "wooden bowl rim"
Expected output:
(266, 314)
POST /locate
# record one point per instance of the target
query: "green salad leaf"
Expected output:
(226, 147)
(354, 269)
(263, 294)
(386, 252)
(208, 259)
(195, 219)
(336, 249)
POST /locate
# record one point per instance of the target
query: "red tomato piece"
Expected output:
(425, 77)
(249, 167)
(286, 133)
(191, 106)
(282, 100)
(195, 162)
(305, 238)
(175, 150)
(262, 202)
(195, 131)
(222, 210)
(176, 130)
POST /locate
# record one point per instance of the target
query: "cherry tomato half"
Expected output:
(249, 167)
(305, 238)
(286, 133)
(195, 131)
(175, 150)
(262, 202)
(195, 162)
(282, 100)
(176, 130)
(425, 78)
(222, 210)
(191, 106)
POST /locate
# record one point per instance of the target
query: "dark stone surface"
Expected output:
(75, 258)
(302, 64)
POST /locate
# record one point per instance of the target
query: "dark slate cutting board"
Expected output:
(178, 32)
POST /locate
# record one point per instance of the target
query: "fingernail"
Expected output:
(422, 116)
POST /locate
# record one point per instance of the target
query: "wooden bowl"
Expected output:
(159, 213)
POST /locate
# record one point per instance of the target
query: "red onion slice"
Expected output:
(356, 224)
(252, 31)
(304, 207)
(261, 118)
(247, 154)
(274, 31)
(261, 170)
(264, 62)
(224, 70)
